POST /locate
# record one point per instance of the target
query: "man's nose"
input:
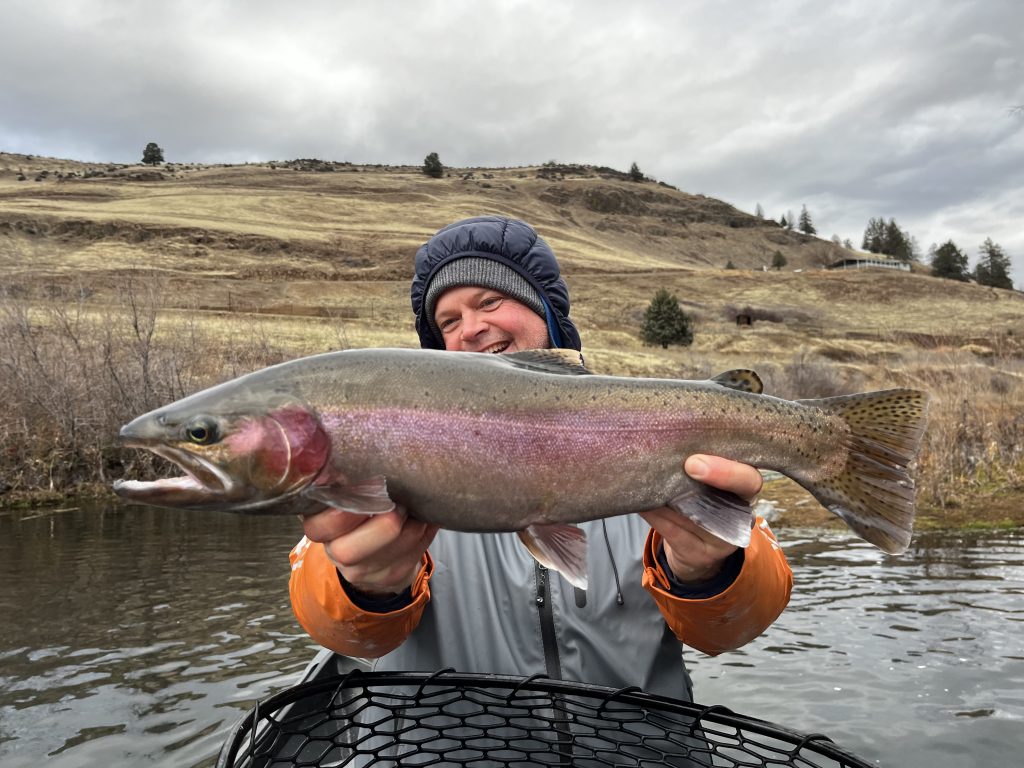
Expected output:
(473, 324)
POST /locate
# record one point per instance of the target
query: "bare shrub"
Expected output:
(806, 376)
(71, 373)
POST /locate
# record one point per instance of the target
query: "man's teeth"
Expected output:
(497, 348)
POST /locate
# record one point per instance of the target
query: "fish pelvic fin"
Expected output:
(720, 513)
(561, 548)
(874, 493)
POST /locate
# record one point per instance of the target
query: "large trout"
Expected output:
(528, 442)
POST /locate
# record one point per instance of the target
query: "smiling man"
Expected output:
(368, 586)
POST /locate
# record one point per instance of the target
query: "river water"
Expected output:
(139, 637)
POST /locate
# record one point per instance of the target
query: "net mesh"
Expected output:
(450, 719)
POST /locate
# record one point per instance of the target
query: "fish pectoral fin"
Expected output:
(561, 548)
(367, 497)
(718, 512)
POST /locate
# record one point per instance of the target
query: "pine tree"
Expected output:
(896, 242)
(782, 222)
(759, 211)
(790, 221)
(778, 260)
(730, 265)
(950, 262)
(152, 154)
(993, 267)
(432, 166)
(874, 236)
(665, 322)
(806, 226)
(635, 173)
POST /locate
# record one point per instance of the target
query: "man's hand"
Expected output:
(379, 555)
(693, 554)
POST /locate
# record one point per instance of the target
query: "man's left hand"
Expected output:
(693, 554)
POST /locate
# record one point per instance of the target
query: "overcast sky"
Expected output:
(856, 109)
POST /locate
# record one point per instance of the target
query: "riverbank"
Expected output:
(786, 504)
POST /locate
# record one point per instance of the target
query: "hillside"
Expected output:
(308, 256)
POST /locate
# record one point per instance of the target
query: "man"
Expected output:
(368, 587)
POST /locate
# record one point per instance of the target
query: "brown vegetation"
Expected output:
(122, 292)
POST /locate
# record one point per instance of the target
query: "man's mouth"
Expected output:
(496, 349)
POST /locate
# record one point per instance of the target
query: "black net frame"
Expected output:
(452, 719)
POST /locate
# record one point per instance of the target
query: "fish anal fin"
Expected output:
(718, 512)
(561, 548)
(366, 497)
(740, 379)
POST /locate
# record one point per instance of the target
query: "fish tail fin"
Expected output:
(874, 493)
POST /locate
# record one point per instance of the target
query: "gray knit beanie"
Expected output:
(483, 272)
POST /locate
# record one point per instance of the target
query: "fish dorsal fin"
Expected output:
(564, 361)
(741, 379)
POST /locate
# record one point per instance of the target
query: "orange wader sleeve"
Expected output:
(329, 616)
(735, 616)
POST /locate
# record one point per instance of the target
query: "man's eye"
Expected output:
(490, 302)
(446, 324)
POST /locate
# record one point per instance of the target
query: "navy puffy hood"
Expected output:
(511, 242)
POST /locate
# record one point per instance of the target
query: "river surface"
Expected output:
(139, 637)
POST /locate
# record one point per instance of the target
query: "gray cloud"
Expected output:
(854, 109)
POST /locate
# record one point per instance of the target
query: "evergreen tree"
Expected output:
(778, 260)
(432, 166)
(896, 242)
(790, 221)
(806, 226)
(759, 211)
(730, 265)
(950, 262)
(152, 154)
(782, 221)
(848, 243)
(635, 174)
(993, 267)
(874, 235)
(886, 237)
(665, 322)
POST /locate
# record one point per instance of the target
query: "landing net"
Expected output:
(451, 719)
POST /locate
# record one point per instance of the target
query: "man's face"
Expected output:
(474, 319)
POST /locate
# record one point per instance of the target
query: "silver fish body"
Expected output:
(477, 442)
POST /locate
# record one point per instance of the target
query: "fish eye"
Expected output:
(202, 432)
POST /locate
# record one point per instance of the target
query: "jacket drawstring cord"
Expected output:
(618, 587)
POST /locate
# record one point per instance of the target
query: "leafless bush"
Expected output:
(806, 376)
(71, 373)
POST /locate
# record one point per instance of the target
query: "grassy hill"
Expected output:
(237, 266)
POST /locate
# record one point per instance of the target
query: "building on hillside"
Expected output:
(875, 260)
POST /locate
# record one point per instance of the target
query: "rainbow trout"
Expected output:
(530, 442)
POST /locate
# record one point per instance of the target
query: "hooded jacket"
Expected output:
(510, 242)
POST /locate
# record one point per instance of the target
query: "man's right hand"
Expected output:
(379, 555)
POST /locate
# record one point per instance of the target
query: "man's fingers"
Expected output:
(330, 524)
(743, 480)
(375, 534)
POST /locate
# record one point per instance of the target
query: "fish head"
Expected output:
(238, 453)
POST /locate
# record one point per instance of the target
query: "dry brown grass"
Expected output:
(239, 267)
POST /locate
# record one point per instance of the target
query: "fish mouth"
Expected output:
(203, 482)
